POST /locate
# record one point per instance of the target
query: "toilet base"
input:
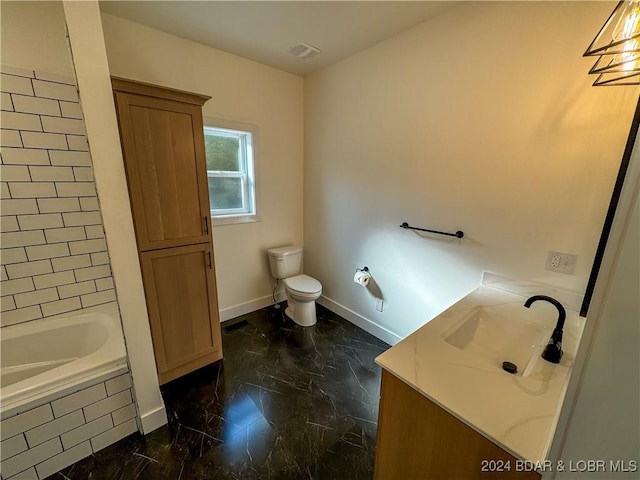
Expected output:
(302, 313)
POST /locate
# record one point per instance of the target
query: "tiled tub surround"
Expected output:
(54, 255)
(54, 262)
(57, 417)
(42, 441)
(47, 358)
(518, 413)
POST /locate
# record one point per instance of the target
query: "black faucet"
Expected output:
(553, 351)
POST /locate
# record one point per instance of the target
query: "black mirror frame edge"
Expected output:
(613, 204)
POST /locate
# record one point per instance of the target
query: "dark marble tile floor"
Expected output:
(287, 402)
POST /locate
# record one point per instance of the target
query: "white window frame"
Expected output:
(248, 135)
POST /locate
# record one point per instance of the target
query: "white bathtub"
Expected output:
(46, 358)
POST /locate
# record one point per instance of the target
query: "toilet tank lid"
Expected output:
(283, 251)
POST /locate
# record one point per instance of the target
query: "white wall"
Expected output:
(481, 119)
(604, 420)
(245, 91)
(96, 96)
(34, 33)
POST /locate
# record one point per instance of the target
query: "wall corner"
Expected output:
(92, 71)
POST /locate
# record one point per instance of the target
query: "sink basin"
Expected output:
(494, 339)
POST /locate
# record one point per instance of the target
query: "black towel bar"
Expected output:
(458, 234)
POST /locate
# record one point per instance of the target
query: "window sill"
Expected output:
(234, 220)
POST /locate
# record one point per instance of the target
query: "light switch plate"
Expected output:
(379, 304)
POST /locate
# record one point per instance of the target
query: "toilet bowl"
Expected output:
(302, 290)
(302, 293)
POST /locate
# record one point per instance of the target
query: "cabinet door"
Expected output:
(181, 296)
(163, 144)
(419, 439)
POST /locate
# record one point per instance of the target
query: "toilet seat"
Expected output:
(303, 285)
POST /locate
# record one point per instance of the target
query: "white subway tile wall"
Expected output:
(53, 244)
(42, 441)
(53, 261)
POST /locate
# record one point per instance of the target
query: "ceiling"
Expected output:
(264, 31)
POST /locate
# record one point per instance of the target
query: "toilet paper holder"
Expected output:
(362, 276)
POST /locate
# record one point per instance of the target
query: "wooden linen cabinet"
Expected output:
(162, 138)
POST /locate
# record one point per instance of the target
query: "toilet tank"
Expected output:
(285, 262)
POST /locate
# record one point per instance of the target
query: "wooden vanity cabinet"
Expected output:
(418, 439)
(162, 138)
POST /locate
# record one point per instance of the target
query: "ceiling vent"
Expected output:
(304, 50)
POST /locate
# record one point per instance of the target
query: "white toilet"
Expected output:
(302, 290)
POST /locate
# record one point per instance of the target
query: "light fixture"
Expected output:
(617, 45)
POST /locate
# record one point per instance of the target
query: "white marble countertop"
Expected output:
(518, 413)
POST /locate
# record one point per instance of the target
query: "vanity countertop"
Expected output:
(518, 413)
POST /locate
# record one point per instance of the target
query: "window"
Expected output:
(229, 148)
